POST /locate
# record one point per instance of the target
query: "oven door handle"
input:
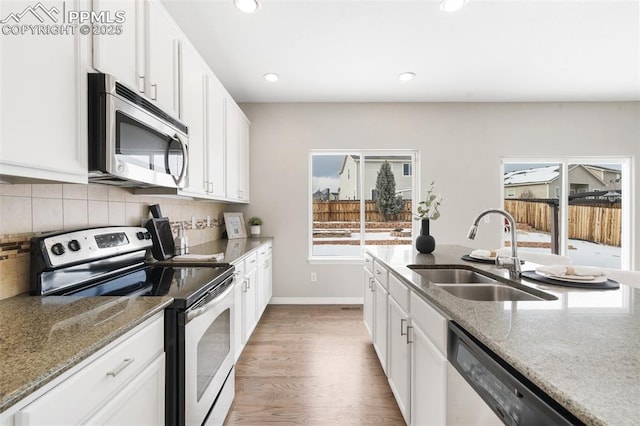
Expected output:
(201, 310)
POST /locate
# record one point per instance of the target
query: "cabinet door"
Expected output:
(237, 147)
(428, 381)
(215, 127)
(368, 307)
(43, 90)
(398, 364)
(380, 323)
(141, 402)
(192, 95)
(162, 53)
(238, 335)
(250, 303)
(122, 55)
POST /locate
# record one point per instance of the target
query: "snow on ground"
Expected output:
(584, 253)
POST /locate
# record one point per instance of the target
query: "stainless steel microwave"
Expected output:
(132, 142)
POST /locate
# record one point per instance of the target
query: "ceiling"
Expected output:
(353, 50)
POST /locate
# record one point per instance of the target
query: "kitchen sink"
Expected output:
(487, 292)
(451, 276)
(471, 285)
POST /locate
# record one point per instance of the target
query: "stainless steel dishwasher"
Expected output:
(511, 396)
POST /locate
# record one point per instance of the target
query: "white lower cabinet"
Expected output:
(124, 384)
(380, 322)
(428, 380)
(368, 305)
(410, 339)
(252, 293)
(264, 277)
(398, 364)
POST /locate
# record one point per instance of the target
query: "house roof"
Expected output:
(547, 174)
(534, 175)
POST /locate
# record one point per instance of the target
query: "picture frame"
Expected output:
(235, 226)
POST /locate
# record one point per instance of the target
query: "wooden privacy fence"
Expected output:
(349, 211)
(596, 223)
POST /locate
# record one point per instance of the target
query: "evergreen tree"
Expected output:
(387, 202)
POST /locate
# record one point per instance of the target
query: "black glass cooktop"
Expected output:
(185, 284)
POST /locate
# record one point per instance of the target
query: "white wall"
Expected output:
(460, 145)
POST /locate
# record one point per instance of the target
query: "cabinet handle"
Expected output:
(253, 261)
(378, 272)
(127, 362)
(370, 283)
(402, 321)
(141, 83)
(408, 333)
(154, 92)
(246, 286)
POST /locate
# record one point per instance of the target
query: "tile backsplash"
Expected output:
(27, 210)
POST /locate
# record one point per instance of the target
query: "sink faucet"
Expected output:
(512, 263)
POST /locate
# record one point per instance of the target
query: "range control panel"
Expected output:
(93, 244)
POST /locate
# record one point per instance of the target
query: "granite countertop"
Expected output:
(42, 337)
(583, 348)
(233, 249)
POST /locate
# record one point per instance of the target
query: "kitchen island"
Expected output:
(582, 348)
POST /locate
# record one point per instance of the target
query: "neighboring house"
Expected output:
(325, 195)
(545, 182)
(350, 175)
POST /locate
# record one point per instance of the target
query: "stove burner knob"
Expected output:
(74, 245)
(140, 235)
(57, 249)
(147, 236)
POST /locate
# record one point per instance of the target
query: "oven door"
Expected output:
(209, 331)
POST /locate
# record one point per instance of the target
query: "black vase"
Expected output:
(425, 243)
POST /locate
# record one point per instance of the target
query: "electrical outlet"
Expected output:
(193, 222)
(314, 277)
(208, 221)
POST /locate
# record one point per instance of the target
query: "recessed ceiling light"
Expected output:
(406, 76)
(247, 6)
(272, 77)
(452, 5)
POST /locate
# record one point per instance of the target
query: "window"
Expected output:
(511, 193)
(346, 196)
(591, 226)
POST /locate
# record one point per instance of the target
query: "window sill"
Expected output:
(356, 260)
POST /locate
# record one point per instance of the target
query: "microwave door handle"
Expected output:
(185, 160)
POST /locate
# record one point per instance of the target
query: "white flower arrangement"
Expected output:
(428, 209)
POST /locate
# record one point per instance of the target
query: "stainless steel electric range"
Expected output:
(115, 261)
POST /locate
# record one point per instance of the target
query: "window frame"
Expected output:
(362, 153)
(627, 258)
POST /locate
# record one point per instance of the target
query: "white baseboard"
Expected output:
(316, 301)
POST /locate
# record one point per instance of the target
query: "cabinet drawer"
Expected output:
(368, 262)
(239, 264)
(399, 291)
(80, 395)
(430, 321)
(264, 250)
(381, 274)
(250, 262)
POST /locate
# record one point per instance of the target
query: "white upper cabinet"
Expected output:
(237, 153)
(122, 54)
(193, 96)
(215, 131)
(43, 105)
(162, 58)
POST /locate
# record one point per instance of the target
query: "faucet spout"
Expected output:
(514, 264)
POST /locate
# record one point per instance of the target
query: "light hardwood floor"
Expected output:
(311, 365)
